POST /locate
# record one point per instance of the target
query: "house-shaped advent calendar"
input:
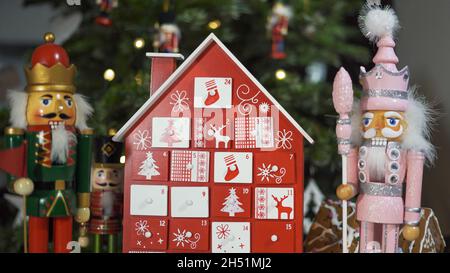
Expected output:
(213, 162)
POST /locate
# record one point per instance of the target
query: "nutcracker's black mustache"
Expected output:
(111, 184)
(53, 115)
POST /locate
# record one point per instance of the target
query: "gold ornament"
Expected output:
(49, 37)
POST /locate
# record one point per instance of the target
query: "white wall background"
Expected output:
(424, 45)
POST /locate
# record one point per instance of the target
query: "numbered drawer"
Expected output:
(270, 237)
(274, 203)
(171, 132)
(231, 201)
(189, 166)
(233, 167)
(148, 200)
(212, 92)
(189, 202)
(276, 168)
(151, 166)
(148, 234)
(230, 237)
(189, 235)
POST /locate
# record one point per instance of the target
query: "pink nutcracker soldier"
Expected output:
(389, 140)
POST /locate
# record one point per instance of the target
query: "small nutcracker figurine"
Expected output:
(169, 34)
(385, 138)
(106, 196)
(278, 27)
(106, 6)
(48, 155)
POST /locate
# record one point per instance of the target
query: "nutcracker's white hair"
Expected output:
(356, 118)
(18, 104)
(419, 118)
(84, 111)
(283, 10)
(171, 27)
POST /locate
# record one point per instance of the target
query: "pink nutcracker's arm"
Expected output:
(352, 169)
(415, 162)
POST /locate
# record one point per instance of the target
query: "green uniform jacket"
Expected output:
(54, 184)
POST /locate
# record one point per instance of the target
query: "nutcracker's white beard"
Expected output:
(376, 159)
(108, 203)
(61, 141)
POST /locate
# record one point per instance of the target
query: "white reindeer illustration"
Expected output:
(218, 136)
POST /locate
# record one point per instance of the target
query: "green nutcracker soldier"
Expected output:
(48, 155)
(106, 197)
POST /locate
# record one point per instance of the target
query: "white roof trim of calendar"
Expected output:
(182, 68)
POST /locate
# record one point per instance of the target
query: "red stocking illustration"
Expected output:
(170, 136)
(213, 92)
(232, 167)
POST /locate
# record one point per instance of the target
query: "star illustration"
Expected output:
(160, 241)
(219, 246)
(139, 243)
(242, 245)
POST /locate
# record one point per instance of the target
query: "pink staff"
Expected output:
(343, 102)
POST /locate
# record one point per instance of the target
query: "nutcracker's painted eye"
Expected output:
(392, 122)
(68, 101)
(101, 174)
(46, 100)
(366, 121)
(115, 173)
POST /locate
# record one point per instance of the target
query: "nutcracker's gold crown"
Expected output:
(41, 78)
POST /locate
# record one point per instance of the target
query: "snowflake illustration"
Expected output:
(142, 140)
(264, 107)
(269, 171)
(141, 227)
(265, 172)
(223, 231)
(180, 237)
(284, 139)
(179, 101)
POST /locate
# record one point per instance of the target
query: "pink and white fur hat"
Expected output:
(385, 87)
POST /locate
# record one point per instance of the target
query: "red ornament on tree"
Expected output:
(278, 27)
(106, 7)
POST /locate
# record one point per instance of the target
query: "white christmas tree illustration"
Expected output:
(148, 167)
(231, 204)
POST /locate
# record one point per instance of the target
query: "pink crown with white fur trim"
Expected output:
(384, 87)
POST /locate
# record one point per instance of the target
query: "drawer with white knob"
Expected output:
(189, 166)
(189, 202)
(148, 200)
(273, 236)
(276, 169)
(190, 235)
(148, 234)
(230, 237)
(151, 166)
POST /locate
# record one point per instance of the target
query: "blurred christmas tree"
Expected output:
(322, 34)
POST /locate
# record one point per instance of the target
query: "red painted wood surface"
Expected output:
(215, 63)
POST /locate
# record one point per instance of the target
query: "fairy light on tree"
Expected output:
(280, 74)
(215, 24)
(139, 43)
(109, 74)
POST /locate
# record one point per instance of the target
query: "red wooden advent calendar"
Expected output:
(213, 162)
